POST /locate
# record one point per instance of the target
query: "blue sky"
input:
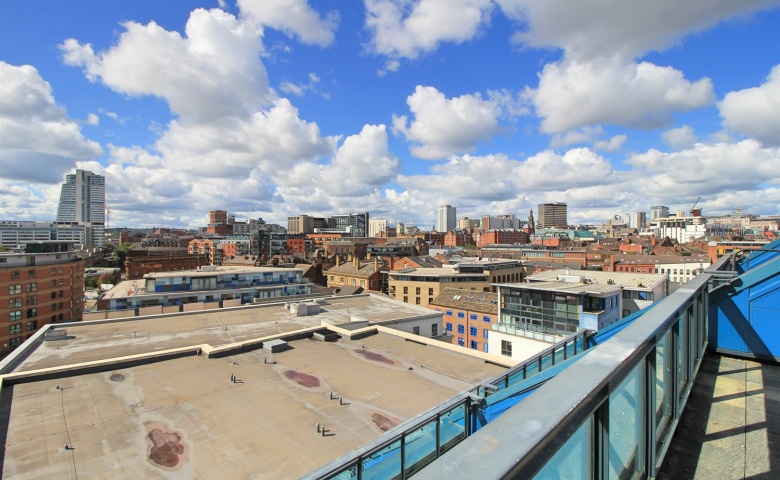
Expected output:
(283, 107)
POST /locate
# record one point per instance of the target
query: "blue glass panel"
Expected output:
(663, 387)
(569, 349)
(558, 355)
(452, 425)
(626, 414)
(420, 448)
(546, 361)
(386, 463)
(531, 369)
(349, 473)
(574, 458)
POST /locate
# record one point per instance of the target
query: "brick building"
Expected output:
(355, 273)
(501, 237)
(468, 316)
(35, 290)
(136, 266)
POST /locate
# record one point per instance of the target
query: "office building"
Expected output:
(356, 224)
(15, 234)
(553, 215)
(300, 224)
(635, 220)
(658, 211)
(445, 219)
(83, 202)
(377, 228)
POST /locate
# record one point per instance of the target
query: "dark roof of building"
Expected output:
(365, 269)
(484, 302)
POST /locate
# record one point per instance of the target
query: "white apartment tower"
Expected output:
(377, 228)
(83, 202)
(445, 220)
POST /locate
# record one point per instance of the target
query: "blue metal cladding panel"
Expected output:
(745, 315)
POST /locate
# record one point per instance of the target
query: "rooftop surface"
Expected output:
(220, 270)
(627, 280)
(567, 287)
(185, 418)
(730, 425)
(101, 339)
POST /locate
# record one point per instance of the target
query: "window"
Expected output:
(430, 291)
(15, 274)
(31, 274)
(32, 300)
(485, 318)
(626, 293)
(53, 294)
(417, 300)
(460, 342)
(15, 289)
(32, 326)
(54, 283)
(417, 291)
(485, 333)
(461, 315)
(449, 313)
(406, 299)
(416, 330)
(448, 326)
(474, 344)
(643, 295)
(32, 312)
(406, 289)
(15, 302)
(16, 329)
(15, 315)
(473, 331)
(53, 271)
(32, 287)
(53, 307)
(485, 347)
(506, 348)
(434, 329)
(461, 329)
(60, 269)
(473, 316)
(15, 342)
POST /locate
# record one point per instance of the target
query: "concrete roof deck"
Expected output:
(566, 287)
(184, 418)
(101, 339)
(624, 279)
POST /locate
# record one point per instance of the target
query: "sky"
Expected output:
(273, 108)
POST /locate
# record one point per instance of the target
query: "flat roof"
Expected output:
(445, 271)
(220, 270)
(624, 279)
(100, 339)
(567, 287)
(185, 418)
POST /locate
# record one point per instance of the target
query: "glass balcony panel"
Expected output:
(452, 425)
(664, 388)
(626, 418)
(570, 348)
(558, 355)
(682, 353)
(386, 463)
(349, 473)
(574, 459)
(419, 448)
(547, 361)
(531, 369)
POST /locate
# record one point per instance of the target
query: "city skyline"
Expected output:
(490, 106)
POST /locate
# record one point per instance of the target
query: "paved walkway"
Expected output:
(730, 427)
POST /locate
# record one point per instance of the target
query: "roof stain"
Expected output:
(166, 448)
(377, 357)
(304, 379)
(382, 422)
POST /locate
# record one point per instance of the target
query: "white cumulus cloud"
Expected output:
(294, 17)
(680, 137)
(410, 28)
(575, 94)
(442, 127)
(755, 112)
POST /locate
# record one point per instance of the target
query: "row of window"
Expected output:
(16, 289)
(417, 290)
(31, 273)
(473, 331)
(473, 344)
(472, 316)
(17, 328)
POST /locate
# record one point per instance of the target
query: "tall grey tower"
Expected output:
(445, 219)
(83, 202)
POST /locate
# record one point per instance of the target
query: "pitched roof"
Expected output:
(484, 302)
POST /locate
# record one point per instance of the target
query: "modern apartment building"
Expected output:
(635, 219)
(35, 290)
(658, 211)
(445, 218)
(354, 223)
(209, 285)
(83, 202)
(553, 215)
(377, 228)
(300, 224)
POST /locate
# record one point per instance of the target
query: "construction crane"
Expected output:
(694, 211)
